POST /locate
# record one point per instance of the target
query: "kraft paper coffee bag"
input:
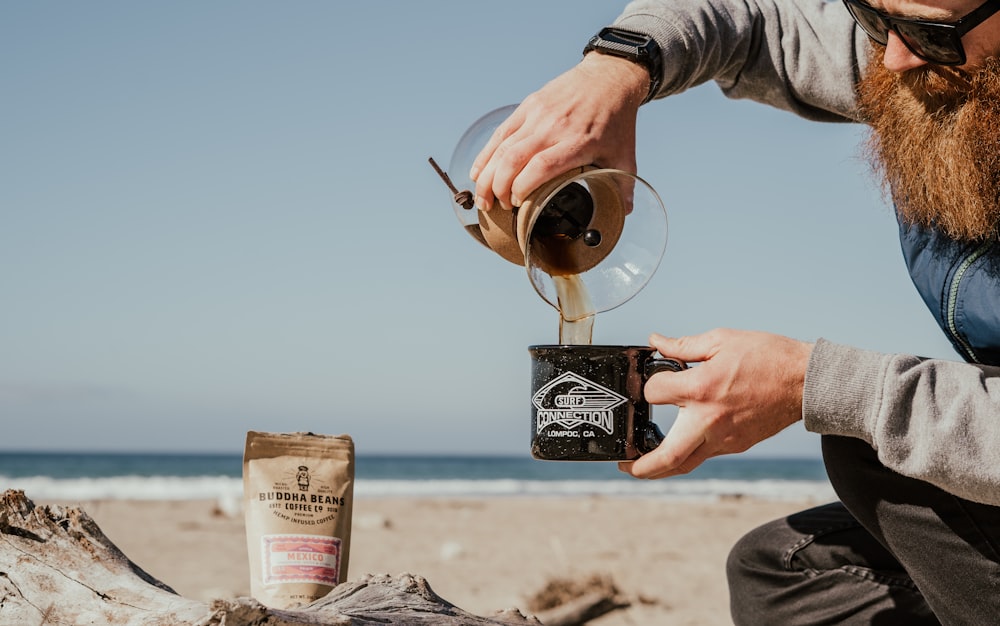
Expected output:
(297, 490)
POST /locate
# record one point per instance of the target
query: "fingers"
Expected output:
(546, 164)
(680, 387)
(678, 453)
(693, 349)
(504, 130)
(494, 181)
(519, 163)
(669, 387)
(666, 469)
(492, 185)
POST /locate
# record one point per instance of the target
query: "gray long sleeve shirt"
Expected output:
(934, 420)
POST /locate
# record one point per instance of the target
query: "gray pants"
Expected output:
(894, 551)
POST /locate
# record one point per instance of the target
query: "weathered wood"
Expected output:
(404, 599)
(581, 610)
(58, 567)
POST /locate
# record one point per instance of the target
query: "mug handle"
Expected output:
(652, 436)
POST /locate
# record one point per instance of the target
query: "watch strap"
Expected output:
(636, 47)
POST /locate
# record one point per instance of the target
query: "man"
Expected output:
(911, 445)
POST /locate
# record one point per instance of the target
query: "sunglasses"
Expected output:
(935, 42)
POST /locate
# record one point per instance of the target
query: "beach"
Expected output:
(483, 554)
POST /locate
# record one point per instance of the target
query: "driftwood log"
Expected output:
(58, 567)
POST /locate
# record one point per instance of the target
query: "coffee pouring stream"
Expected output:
(590, 239)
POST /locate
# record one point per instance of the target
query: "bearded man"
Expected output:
(911, 445)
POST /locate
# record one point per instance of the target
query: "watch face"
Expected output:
(625, 38)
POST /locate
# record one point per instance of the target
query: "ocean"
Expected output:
(78, 476)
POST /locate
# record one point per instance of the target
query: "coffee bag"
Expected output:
(298, 490)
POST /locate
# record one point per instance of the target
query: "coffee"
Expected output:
(587, 402)
(298, 491)
(576, 312)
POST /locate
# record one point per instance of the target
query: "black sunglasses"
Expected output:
(935, 42)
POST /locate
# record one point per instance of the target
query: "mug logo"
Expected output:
(571, 400)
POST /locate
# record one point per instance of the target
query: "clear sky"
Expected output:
(219, 216)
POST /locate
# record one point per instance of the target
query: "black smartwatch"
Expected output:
(635, 47)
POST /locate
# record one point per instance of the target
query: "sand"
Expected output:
(482, 555)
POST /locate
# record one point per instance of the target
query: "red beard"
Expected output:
(935, 141)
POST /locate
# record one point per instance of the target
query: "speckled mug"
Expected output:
(587, 402)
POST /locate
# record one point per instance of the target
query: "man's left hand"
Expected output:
(745, 387)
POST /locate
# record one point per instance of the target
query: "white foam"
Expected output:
(127, 488)
(229, 490)
(668, 488)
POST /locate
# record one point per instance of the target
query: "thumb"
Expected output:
(692, 349)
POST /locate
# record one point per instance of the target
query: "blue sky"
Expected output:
(218, 217)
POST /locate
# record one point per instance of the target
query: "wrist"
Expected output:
(629, 79)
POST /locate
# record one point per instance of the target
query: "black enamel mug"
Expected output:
(587, 402)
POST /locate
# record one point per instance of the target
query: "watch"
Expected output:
(635, 47)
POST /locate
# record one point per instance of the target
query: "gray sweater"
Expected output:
(934, 420)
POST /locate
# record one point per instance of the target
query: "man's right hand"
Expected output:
(586, 116)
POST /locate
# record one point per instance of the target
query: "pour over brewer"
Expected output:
(590, 240)
(603, 229)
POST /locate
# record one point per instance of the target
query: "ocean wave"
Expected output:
(229, 490)
(127, 487)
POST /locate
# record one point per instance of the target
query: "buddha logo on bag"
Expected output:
(571, 401)
(302, 478)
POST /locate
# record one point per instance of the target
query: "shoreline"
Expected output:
(482, 554)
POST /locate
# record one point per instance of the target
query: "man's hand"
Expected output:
(586, 116)
(746, 387)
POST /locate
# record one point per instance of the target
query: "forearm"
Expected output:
(803, 56)
(934, 420)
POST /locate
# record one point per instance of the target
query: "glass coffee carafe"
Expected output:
(589, 239)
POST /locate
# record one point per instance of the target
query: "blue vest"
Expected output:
(960, 283)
